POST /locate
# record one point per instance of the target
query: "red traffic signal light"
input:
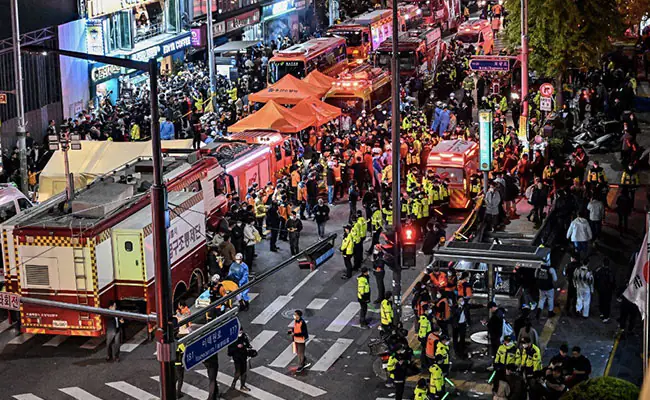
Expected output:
(409, 236)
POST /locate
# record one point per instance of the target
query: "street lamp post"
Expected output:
(210, 36)
(395, 134)
(159, 217)
(20, 107)
(524, 62)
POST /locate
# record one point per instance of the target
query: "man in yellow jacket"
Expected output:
(347, 250)
(363, 295)
(529, 358)
(386, 312)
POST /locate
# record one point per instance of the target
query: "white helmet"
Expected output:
(239, 257)
(216, 278)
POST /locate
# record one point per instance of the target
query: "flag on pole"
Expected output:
(637, 288)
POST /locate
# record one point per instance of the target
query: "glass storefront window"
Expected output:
(118, 28)
(200, 7)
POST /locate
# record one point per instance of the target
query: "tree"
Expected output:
(633, 11)
(564, 34)
(603, 388)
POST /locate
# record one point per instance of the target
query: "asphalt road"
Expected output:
(49, 367)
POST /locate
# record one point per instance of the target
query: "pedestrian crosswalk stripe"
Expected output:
(283, 360)
(317, 304)
(56, 341)
(190, 390)
(262, 339)
(255, 392)
(93, 343)
(4, 325)
(22, 338)
(302, 283)
(252, 296)
(26, 396)
(132, 391)
(293, 383)
(269, 312)
(79, 393)
(135, 341)
(344, 317)
(332, 354)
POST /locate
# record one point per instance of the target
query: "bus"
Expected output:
(364, 33)
(363, 88)
(419, 51)
(456, 160)
(327, 55)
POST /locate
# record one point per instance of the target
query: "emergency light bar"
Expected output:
(247, 159)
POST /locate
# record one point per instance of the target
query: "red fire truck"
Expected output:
(447, 14)
(456, 160)
(364, 33)
(419, 51)
(101, 249)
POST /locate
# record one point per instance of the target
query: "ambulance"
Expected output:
(477, 32)
(99, 248)
(363, 88)
(280, 145)
(364, 33)
(420, 51)
(456, 160)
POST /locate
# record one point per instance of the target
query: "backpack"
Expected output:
(544, 278)
(507, 330)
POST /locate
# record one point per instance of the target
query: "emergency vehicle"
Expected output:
(101, 250)
(446, 14)
(280, 146)
(477, 32)
(456, 160)
(419, 52)
(410, 16)
(363, 88)
(327, 55)
(364, 33)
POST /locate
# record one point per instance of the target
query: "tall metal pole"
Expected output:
(646, 320)
(395, 134)
(213, 81)
(18, 76)
(159, 217)
(524, 59)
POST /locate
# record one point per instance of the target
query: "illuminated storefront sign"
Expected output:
(103, 72)
(95, 37)
(96, 8)
(164, 49)
(277, 9)
(485, 140)
(199, 34)
(243, 20)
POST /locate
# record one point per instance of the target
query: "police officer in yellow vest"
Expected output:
(436, 378)
(424, 327)
(506, 354)
(363, 295)
(376, 221)
(360, 230)
(347, 250)
(386, 312)
(529, 358)
(442, 350)
(629, 176)
(596, 174)
(180, 371)
(474, 185)
(421, 392)
(388, 214)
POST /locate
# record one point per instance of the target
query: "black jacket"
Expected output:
(294, 223)
(239, 353)
(322, 213)
(455, 316)
(312, 189)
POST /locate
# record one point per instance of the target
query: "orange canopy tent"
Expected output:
(288, 90)
(319, 80)
(313, 107)
(274, 116)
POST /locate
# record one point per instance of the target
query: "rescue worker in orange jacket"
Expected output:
(438, 279)
(442, 312)
(430, 348)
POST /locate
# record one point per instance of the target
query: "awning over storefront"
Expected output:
(236, 46)
(93, 160)
(319, 80)
(274, 116)
(288, 90)
(312, 106)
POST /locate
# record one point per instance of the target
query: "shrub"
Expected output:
(603, 388)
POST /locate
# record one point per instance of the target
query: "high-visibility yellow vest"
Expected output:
(506, 354)
(386, 312)
(390, 367)
(437, 380)
(347, 245)
(420, 394)
(363, 286)
(530, 358)
(425, 207)
(362, 227)
(388, 214)
(629, 179)
(376, 219)
(424, 327)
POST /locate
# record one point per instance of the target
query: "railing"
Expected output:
(148, 31)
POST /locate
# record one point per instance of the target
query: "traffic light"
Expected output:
(409, 237)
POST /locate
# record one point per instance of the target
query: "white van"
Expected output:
(12, 201)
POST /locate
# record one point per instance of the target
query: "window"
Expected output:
(380, 95)
(7, 211)
(287, 148)
(118, 28)
(278, 153)
(128, 246)
(24, 204)
(219, 185)
(37, 275)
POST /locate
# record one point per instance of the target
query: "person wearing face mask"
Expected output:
(529, 358)
(294, 227)
(492, 202)
(442, 312)
(460, 320)
(300, 336)
(238, 350)
(321, 214)
(424, 328)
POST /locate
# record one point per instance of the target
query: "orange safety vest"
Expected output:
(302, 193)
(432, 341)
(439, 280)
(464, 288)
(337, 173)
(451, 283)
(297, 328)
(443, 313)
(283, 212)
(295, 178)
(420, 306)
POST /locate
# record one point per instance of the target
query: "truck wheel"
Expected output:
(179, 292)
(196, 284)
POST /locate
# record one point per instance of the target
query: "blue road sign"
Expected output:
(210, 343)
(487, 64)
